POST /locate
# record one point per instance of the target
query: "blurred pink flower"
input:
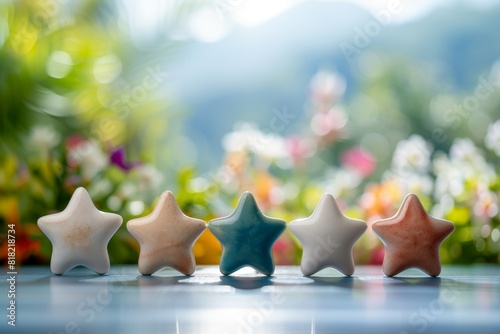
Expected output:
(358, 159)
(328, 126)
(300, 149)
(377, 256)
(73, 141)
(283, 250)
(486, 205)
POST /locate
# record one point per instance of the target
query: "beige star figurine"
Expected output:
(412, 238)
(80, 235)
(166, 237)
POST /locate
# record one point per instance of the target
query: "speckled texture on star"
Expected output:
(247, 237)
(327, 238)
(166, 237)
(80, 235)
(412, 238)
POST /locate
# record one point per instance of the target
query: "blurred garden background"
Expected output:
(367, 100)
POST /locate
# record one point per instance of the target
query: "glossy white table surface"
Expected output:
(461, 300)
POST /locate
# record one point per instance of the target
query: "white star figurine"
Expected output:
(80, 235)
(327, 238)
(166, 237)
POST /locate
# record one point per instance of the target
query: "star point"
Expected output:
(247, 237)
(412, 238)
(166, 237)
(80, 235)
(327, 237)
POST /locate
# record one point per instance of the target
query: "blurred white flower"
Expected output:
(148, 177)
(198, 184)
(412, 155)
(464, 150)
(248, 137)
(43, 138)
(125, 191)
(341, 181)
(327, 87)
(270, 147)
(451, 183)
(449, 177)
(237, 140)
(89, 156)
(470, 160)
(444, 205)
(415, 183)
(465, 165)
(492, 139)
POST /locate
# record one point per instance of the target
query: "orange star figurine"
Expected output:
(412, 238)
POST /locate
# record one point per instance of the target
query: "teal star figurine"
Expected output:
(247, 237)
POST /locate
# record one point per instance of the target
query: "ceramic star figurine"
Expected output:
(327, 237)
(412, 238)
(166, 237)
(247, 237)
(80, 235)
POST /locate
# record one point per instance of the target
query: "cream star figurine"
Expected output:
(80, 235)
(327, 237)
(166, 237)
(412, 238)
